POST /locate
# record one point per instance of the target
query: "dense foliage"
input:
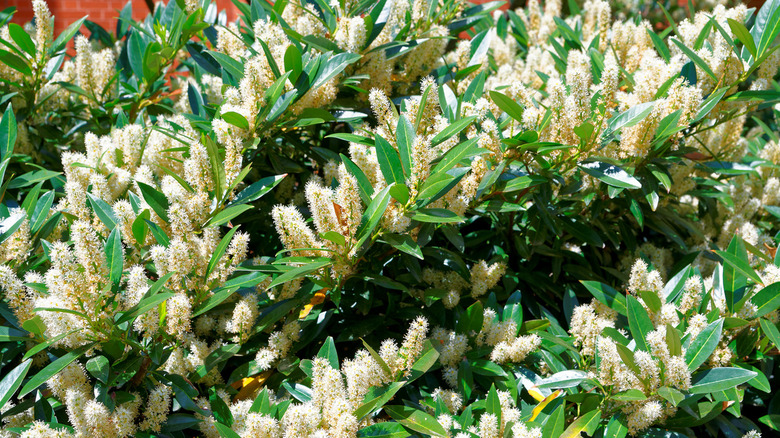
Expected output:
(391, 218)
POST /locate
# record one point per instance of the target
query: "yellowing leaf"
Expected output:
(318, 298)
(249, 385)
(544, 402)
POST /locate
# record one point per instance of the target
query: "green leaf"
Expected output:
(216, 165)
(44, 345)
(740, 31)
(405, 243)
(740, 265)
(695, 58)
(21, 38)
(220, 251)
(770, 330)
(627, 118)
(673, 341)
(660, 47)
(293, 62)
(672, 395)
(651, 299)
(389, 161)
(99, 368)
(156, 200)
(333, 66)
(51, 369)
(468, 148)
(585, 424)
(439, 184)
(15, 62)
(639, 322)
(257, 189)
(436, 216)
(767, 299)
(416, 420)
(766, 26)
(228, 214)
(405, 140)
(140, 227)
(630, 395)
(135, 53)
(509, 106)
(114, 257)
(563, 379)
(364, 184)
(225, 431)
(493, 403)
(719, 379)
(387, 429)
(451, 130)
(425, 362)
(377, 358)
(704, 345)
(376, 398)
(13, 380)
(710, 103)
(235, 119)
(147, 302)
(66, 35)
(328, 351)
(216, 357)
(8, 132)
(611, 174)
(298, 272)
(372, 216)
(10, 225)
(616, 428)
(41, 212)
(555, 423)
(214, 300)
(8, 334)
(144, 306)
(230, 65)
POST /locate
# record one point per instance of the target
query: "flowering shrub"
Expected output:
(346, 219)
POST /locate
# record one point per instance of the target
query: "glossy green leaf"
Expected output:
(8, 133)
(51, 369)
(21, 38)
(257, 189)
(509, 106)
(389, 161)
(114, 257)
(607, 296)
(704, 345)
(719, 379)
(13, 380)
(767, 300)
(416, 420)
(405, 136)
(436, 216)
(639, 322)
(156, 200)
(298, 272)
(451, 130)
(611, 174)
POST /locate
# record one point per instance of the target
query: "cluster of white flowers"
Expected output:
(659, 366)
(489, 425)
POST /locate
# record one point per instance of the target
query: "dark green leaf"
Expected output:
(719, 379)
(51, 369)
(155, 199)
(639, 322)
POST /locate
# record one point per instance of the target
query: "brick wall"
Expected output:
(102, 12)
